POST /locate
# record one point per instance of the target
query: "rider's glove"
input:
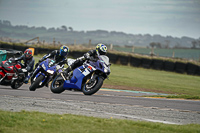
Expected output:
(12, 59)
(36, 65)
(87, 56)
(40, 60)
(24, 70)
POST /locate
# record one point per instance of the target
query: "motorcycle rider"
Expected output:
(28, 65)
(101, 49)
(60, 56)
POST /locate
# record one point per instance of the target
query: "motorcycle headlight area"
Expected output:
(105, 70)
(50, 71)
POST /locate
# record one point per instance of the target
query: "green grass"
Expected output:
(36, 122)
(154, 80)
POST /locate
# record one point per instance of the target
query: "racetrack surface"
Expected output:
(106, 103)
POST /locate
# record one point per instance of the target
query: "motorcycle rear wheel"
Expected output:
(35, 84)
(93, 87)
(57, 85)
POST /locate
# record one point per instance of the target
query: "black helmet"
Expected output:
(101, 49)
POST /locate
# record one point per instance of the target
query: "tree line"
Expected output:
(69, 35)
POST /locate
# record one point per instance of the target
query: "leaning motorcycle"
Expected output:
(9, 75)
(43, 73)
(87, 78)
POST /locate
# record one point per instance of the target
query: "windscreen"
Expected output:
(105, 59)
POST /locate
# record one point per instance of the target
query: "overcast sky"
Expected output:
(176, 18)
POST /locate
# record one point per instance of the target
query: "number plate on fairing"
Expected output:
(87, 70)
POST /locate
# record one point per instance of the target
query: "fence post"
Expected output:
(54, 42)
(111, 46)
(133, 49)
(173, 54)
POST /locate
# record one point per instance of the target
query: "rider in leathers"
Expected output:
(28, 65)
(60, 56)
(101, 49)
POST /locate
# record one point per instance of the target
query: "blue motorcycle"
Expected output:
(44, 72)
(87, 78)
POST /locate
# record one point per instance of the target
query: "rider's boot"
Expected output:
(26, 79)
(47, 85)
(66, 72)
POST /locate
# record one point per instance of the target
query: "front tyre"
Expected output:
(57, 84)
(16, 84)
(35, 84)
(93, 87)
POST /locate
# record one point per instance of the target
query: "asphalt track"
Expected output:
(106, 103)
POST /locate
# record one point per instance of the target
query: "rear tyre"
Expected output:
(35, 84)
(57, 85)
(93, 87)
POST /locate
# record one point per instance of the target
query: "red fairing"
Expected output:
(7, 69)
(2, 74)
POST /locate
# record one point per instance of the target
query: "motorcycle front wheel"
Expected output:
(16, 84)
(35, 84)
(93, 87)
(57, 84)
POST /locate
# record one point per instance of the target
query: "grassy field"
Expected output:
(35, 122)
(178, 53)
(154, 81)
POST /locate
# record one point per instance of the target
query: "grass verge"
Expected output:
(177, 96)
(36, 122)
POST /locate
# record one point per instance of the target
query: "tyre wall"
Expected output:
(157, 64)
(146, 63)
(169, 66)
(135, 61)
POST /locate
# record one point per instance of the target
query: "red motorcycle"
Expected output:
(9, 73)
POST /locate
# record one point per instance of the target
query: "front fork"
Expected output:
(2, 78)
(34, 73)
(93, 77)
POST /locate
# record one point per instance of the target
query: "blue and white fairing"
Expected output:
(47, 68)
(101, 65)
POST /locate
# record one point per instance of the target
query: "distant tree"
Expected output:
(153, 44)
(177, 45)
(199, 43)
(41, 28)
(70, 28)
(52, 29)
(57, 29)
(6, 22)
(194, 44)
(64, 28)
(158, 45)
(167, 43)
(33, 27)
